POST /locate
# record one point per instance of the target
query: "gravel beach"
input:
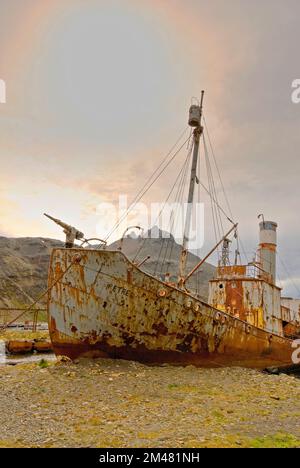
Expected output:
(107, 403)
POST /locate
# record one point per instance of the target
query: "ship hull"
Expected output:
(101, 305)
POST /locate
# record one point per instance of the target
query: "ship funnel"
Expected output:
(267, 249)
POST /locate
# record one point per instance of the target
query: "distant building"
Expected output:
(294, 307)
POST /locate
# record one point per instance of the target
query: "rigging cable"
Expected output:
(179, 200)
(216, 217)
(222, 185)
(174, 185)
(217, 167)
(216, 203)
(150, 182)
(168, 197)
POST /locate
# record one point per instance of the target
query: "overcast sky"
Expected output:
(98, 91)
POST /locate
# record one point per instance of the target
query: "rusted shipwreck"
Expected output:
(101, 304)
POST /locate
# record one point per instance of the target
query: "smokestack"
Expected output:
(267, 248)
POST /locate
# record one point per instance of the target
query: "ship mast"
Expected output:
(195, 122)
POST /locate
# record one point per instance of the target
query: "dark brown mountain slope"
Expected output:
(164, 257)
(23, 269)
(24, 265)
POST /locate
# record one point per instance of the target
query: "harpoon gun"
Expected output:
(71, 232)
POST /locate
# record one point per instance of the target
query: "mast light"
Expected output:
(195, 116)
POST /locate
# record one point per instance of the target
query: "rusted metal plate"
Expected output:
(250, 299)
(286, 314)
(106, 306)
(231, 271)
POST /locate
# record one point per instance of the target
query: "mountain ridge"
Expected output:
(24, 263)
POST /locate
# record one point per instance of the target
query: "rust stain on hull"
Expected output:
(141, 354)
(106, 307)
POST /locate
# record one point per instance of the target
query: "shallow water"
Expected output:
(8, 359)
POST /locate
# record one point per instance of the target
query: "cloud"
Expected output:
(92, 110)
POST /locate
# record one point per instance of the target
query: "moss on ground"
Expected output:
(279, 440)
(112, 403)
(7, 335)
